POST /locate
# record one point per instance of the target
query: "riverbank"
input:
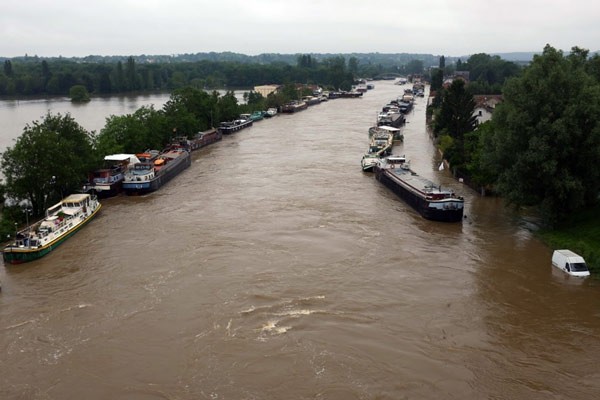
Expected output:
(580, 234)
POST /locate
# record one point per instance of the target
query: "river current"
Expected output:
(274, 268)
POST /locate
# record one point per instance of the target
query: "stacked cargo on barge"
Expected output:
(430, 200)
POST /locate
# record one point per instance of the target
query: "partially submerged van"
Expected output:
(572, 263)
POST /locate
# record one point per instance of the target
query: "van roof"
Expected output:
(567, 253)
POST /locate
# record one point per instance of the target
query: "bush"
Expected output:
(79, 94)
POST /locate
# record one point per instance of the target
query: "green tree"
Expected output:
(46, 74)
(146, 128)
(131, 78)
(119, 78)
(227, 106)
(353, 66)
(455, 119)
(414, 67)
(190, 110)
(305, 61)
(437, 79)
(49, 160)
(8, 69)
(489, 71)
(79, 94)
(546, 137)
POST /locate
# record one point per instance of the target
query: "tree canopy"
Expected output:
(79, 94)
(49, 159)
(545, 139)
(30, 76)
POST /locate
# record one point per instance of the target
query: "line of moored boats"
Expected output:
(132, 174)
(430, 200)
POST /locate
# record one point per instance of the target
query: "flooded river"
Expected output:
(274, 268)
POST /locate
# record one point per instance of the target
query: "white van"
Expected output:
(572, 263)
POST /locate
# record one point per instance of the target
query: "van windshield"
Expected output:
(578, 267)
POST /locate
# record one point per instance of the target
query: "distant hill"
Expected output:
(527, 56)
(383, 59)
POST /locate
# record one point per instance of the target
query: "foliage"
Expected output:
(490, 69)
(47, 161)
(146, 128)
(546, 136)
(455, 118)
(488, 73)
(437, 79)
(190, 110)
(580, 233)
(228, 107)
(473, 165)
(445, 142)
(79, 94)
(254, 102)
(24, 76)
(414, 67)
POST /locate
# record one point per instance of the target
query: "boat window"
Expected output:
(579, 267)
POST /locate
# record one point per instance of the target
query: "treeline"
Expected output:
(487, 73)
(32, 76)
(542, 147)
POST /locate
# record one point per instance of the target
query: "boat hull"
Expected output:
(162, 177)
(293, 107)
(230, 127)
(106, 191)
(448, 210)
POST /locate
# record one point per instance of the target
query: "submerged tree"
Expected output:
(79, 94)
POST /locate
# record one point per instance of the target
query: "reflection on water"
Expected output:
(274, 268)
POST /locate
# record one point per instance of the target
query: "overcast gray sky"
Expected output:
(441, 27)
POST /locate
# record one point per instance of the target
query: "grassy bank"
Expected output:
(581, 234)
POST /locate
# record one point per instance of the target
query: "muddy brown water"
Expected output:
(274, 268)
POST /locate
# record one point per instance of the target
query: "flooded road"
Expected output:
(274, 268)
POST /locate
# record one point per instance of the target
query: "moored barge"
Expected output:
(108, 181)
(154, 170)
(431, 201)
(228, 127)
(62, 221)
(198, 141)
(294, 106)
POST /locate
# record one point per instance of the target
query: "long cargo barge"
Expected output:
(154, 170)
(199, 140)
(431, 201)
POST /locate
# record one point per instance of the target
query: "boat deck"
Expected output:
(418, 183)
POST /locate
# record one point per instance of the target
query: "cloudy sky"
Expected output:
(440, 27)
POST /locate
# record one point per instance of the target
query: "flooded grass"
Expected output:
(581, 234)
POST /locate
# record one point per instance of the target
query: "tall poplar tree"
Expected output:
(455, 119)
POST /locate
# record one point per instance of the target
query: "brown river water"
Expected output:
(274, 268)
